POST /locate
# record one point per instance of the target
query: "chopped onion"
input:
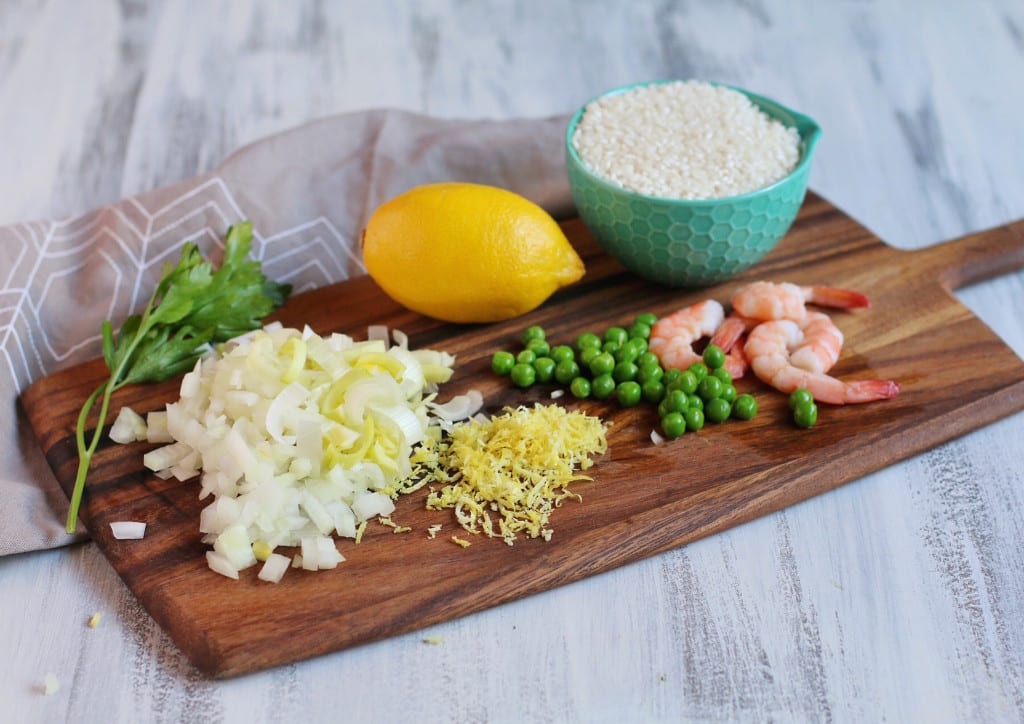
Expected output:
(156, 427)
(220, 564)
(377, 332)
(460, 407)
(327, 553)
(166, 456)
(128, 529)
(190, 382)
(369, 505)
(234, 544)
(300, 437)
(129, 426)
(274, 568)
(656, 437)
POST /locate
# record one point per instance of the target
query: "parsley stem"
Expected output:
(85, 454)
(107, 390)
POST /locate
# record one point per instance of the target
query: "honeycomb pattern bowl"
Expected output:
(691, 243)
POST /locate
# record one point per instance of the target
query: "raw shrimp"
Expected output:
(822, 343)
(764, 301)
(768, 349)
(672, 337)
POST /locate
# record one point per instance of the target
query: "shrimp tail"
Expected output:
(870, 390)
(729, 333)
(838, 298)
(736, 362)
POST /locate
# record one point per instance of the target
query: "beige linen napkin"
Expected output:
(308, 191)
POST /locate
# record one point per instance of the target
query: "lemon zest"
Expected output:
(505, 476)
(395, 528)
(359, 532)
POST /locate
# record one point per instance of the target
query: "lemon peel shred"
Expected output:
(395, 528)
(461, 542)
(503, 477)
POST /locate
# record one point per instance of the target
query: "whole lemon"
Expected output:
(464, 252)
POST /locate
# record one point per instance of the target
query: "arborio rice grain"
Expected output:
(685, 139)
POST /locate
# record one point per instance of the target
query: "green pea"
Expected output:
(624, 371)
(648, 359)
(603, 363)
(640, 343)
(718, 410)
(562, 352)
(587, 339)
(663, 408)
(580, 387)
(502, 362)
(616, 334)
(523, 374)
(626, 353)
(694, 419)
(628, 393)
(805, 414)
(587, 354)
(602, 387)
(539, 347)
(699, 369)
(672, 377)
(694, 402)
(650, 373)
(566, 371)
(709, 388)
(800, 396)
(745, 407)
(545, 368)
(533, 332)
(714, 356)
(686, 381)
(526, 357)
(647, 318)
(653, 390)
(611, 346)
(639, 330)
(723, 374)
(675, 401)
(728, 392)
(673, 425)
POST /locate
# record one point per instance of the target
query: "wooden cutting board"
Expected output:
(955, 374)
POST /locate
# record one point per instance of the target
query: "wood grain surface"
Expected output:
(955, 373)
(897, 597)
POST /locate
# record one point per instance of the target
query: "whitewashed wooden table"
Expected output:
(898, 597)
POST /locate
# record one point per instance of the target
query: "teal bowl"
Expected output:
(691, 243)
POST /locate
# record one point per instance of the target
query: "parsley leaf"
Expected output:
(192, 307)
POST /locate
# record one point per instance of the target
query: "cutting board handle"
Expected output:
(976, 257)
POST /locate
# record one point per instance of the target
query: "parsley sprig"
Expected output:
(192, 307)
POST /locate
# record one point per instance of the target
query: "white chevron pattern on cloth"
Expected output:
(107, 262)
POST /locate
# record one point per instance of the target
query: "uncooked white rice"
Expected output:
(686, 140)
